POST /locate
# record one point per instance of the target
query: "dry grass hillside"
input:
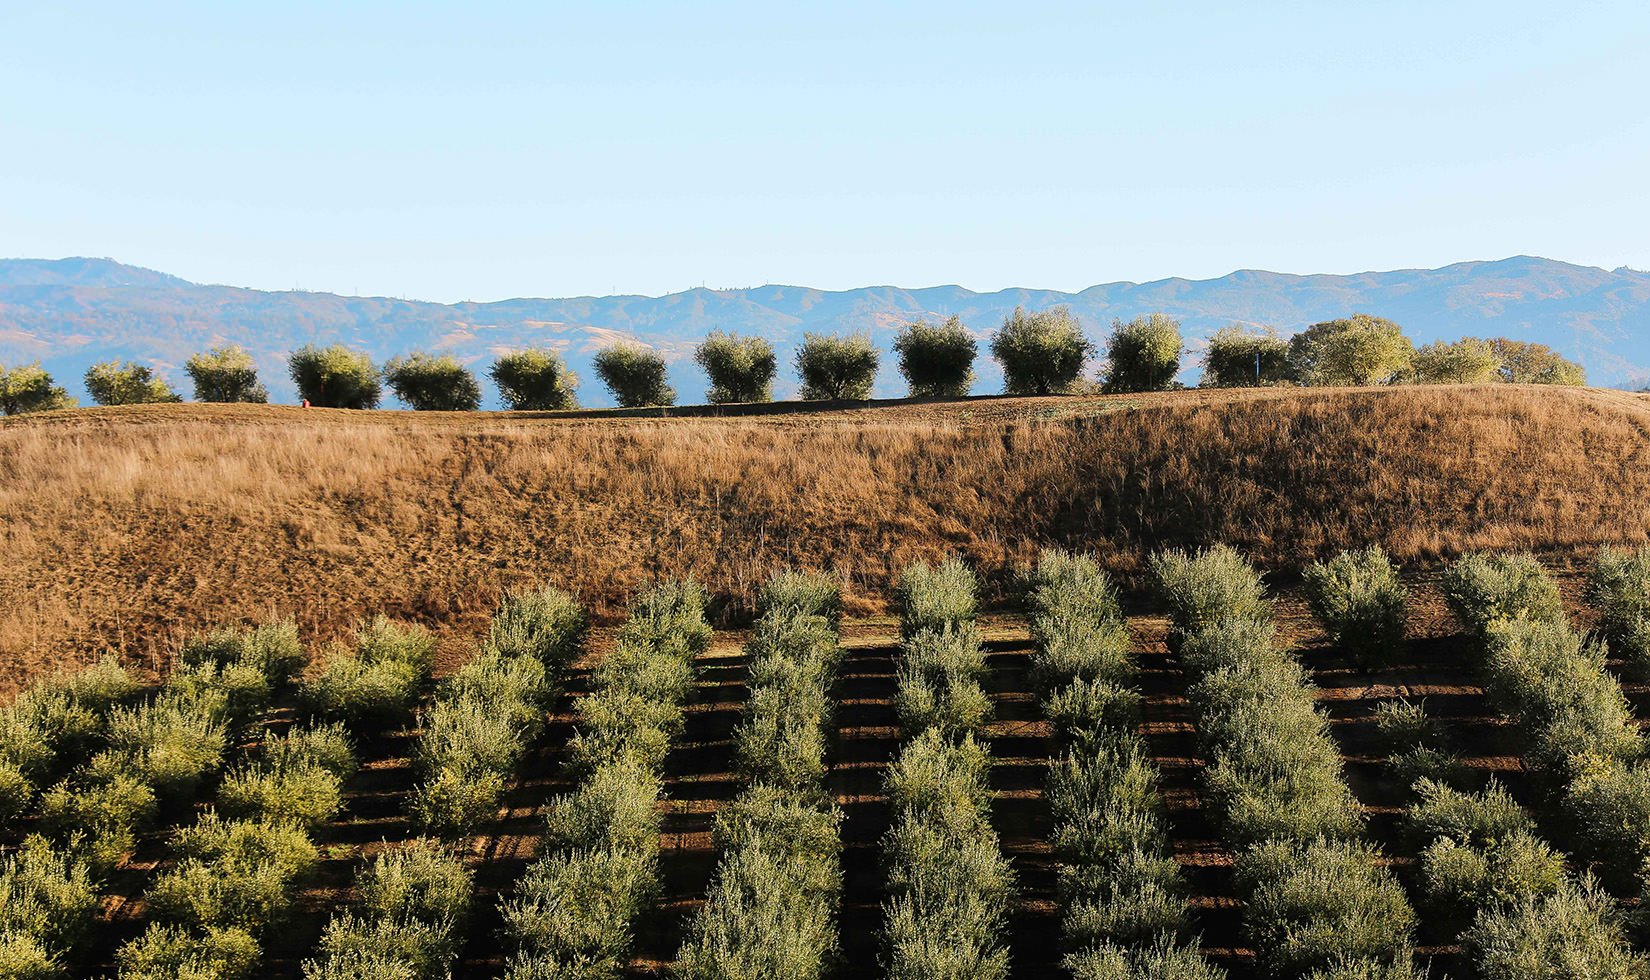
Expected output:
(124, 529)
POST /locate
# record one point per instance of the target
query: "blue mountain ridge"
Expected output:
(70, 313)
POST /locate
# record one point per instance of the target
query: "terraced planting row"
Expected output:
(1333, 781)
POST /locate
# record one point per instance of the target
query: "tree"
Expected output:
(741, 369)
(335, 377)
(1361, 350)
(433, 383)
(635, 375)
(837, 368)
(535, 380)
(1041, 353)
(121, 383)
(1526, 363)
(1466, 361)
(28, 388)
(1143, 354)
(1238, 357)
(225, 374)
(937, 360)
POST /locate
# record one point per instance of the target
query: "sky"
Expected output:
(479, 151)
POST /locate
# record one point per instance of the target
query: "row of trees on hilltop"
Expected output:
(1040, 353)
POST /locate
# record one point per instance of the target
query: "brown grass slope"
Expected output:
(124, 529)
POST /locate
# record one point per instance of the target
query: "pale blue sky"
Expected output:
(486, 150)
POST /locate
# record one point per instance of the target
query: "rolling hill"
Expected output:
(72, 312)
(130, 528)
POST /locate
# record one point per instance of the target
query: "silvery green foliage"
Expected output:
(1362, 603)
(1619, 588)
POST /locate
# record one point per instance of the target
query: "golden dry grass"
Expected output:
(125, 529)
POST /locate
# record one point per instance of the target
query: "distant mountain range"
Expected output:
(70, 313)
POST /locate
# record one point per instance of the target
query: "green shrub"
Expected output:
(1162, 959)
(272, 649)
(535, 380)
(764, 916)
(16, 794)
(615, 806)
(225, 374)
(1619, 588)
(379, 685)
(1484, 588)
(236, 696)
(1475, 819)
(450, 803)
(619, 727)
(936, 360)
(120, 383)
(334, 377)
(741, 369)
(1468, 361)
(1405, 725)
(168, 744)
(635, 375)
(933, 597)
(837, 368)
(354, 948)
(47, 895)
(325, 746)
(1556, 685)
(574, 911)
(234, 874)
(936, 775)
(1607, 802)
(515, 690)
(939, 681)
(1066, 588)
(1143, 354)
(414, 902)
(1085, 710)
(1040, 353)
(167, 952)
(1238, 644)
(1069, 650)
(778, 819)
(948, 905)
(23, 957)
(791, 593)
(1359, 598)
(546, 624)
(1574, 932)
(1460, 879)
(56, 722)
(1312, 905)
(1243, 358)
(433, 383)
(305, 795)
(27, 388)
(1362, 350)
(99, 815)
(1208, 585)
(1528, 363)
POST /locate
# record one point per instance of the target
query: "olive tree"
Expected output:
(122, 383)
(335, 377)
(635, 375)
(741, 369)
(1143, 354)
(1535, 364)
(1239, 357)
(535, 380)
(1466, 361)
(936, 359)
(1360, 350)
(28, 388)
(433, 383)
(225, 374)
(837, 368)
(1041, 353)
